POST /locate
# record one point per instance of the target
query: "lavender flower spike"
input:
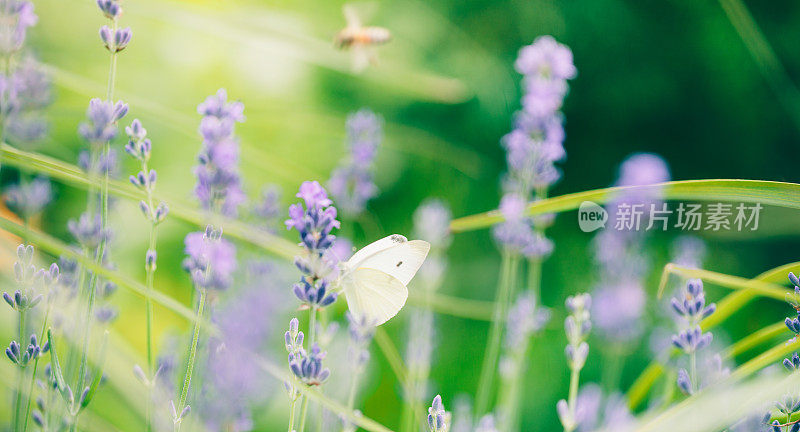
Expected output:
(690, 305)
(351, 183)
(210, 259)
(314, 222)
(218, 182)
(438, 418)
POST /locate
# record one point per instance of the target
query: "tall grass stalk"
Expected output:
(36, 366)
(312, 330)
(100, 253)
(505, 291)
(192, 357)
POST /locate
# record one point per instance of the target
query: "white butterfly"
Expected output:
(374, 279)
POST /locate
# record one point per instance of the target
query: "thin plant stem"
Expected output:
(35, 368)
(20, 374)
(149, 279)
(574, 380)
(312, 331)
(292, 408)
(693, 370)
(112, 72)
(509, 266)
(187, 379)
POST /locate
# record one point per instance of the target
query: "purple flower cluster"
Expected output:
(577, 326)
(619, 294)
(438, 418)
(432, 224)
(24, 86)
(210, 259)
(306, 366)
(597, 411)
(115, 39)
(537, 141)
(24, 92)
(314, 222)
(17, 16)
(28, 198)
(139, 147)
(268, 211)
(361, 331)
(516, 233)
(351, 184)
(32, 286)
(103, 117)
(524, 319)
(535, 144)
(218, 182)
(690, 305)
(88, 231)
(233, 381)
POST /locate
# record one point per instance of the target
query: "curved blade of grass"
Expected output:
(725, 308)
(73, 175)
(764, 56)
(718, 406)
(56, 247)
(392, 355)
(748, 191)
(478, 310)
(756, 286)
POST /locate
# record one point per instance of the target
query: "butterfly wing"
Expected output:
(393, 255)
(374, 294)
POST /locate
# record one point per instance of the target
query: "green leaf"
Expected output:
(98, 374)
(747, 191)
(54, 363)
(57, 248)
(747, 289)
(74, 176)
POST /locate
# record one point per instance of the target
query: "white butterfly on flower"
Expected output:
(375, 279)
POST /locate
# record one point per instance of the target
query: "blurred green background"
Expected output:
(674, 78)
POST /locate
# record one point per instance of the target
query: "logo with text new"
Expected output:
(591, 216)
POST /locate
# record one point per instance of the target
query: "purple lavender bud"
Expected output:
(144, 207)
(684, 382)
(37, 418)
(161, 212)
(82, 400)
(110, 8)
(9, 300)
(150, 260)
(186, 410)
(795, 281)
(793, 324)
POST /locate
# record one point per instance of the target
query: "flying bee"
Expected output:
(360, 39)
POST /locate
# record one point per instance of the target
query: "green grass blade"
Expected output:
(747, 191)
(58, 248)
(73, 175)
(756, 286)
(725, 309)
(718, 406)
(392, 355)
(478, 310)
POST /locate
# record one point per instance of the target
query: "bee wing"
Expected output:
(351, 16)
(374, 295)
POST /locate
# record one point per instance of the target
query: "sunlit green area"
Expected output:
(709, 86)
